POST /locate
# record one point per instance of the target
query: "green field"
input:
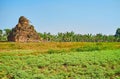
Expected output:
(55, 60)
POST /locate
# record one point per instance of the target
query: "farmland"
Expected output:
(60, 60)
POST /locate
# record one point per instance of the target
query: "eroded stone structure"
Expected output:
(23, 32)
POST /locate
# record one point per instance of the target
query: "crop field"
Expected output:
(60, 60)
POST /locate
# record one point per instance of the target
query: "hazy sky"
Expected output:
(80, 16)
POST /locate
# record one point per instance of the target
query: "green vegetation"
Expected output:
(4, 33)
(59, 60)
(117, 32)
(72, 37)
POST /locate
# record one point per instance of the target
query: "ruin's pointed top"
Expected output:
(23, 19)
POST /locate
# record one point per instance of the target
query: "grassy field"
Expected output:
(58, 60)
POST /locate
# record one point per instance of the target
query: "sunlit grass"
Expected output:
(45, 46)
(59, 60)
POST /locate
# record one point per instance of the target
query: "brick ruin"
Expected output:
(23, 32)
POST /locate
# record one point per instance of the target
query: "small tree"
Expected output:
(117, 35)
(7, 32)
(117, 32)
(1, 34)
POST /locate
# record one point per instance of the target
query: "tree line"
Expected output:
(70, 37)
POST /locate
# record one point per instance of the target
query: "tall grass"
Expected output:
(59, 60)
(74, 65)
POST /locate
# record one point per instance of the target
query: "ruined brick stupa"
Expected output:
(23, 32)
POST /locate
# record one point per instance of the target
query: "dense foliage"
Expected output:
(72, 37)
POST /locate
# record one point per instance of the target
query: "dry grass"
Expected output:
(45, 46)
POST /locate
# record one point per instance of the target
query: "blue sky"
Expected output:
(80, 16)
